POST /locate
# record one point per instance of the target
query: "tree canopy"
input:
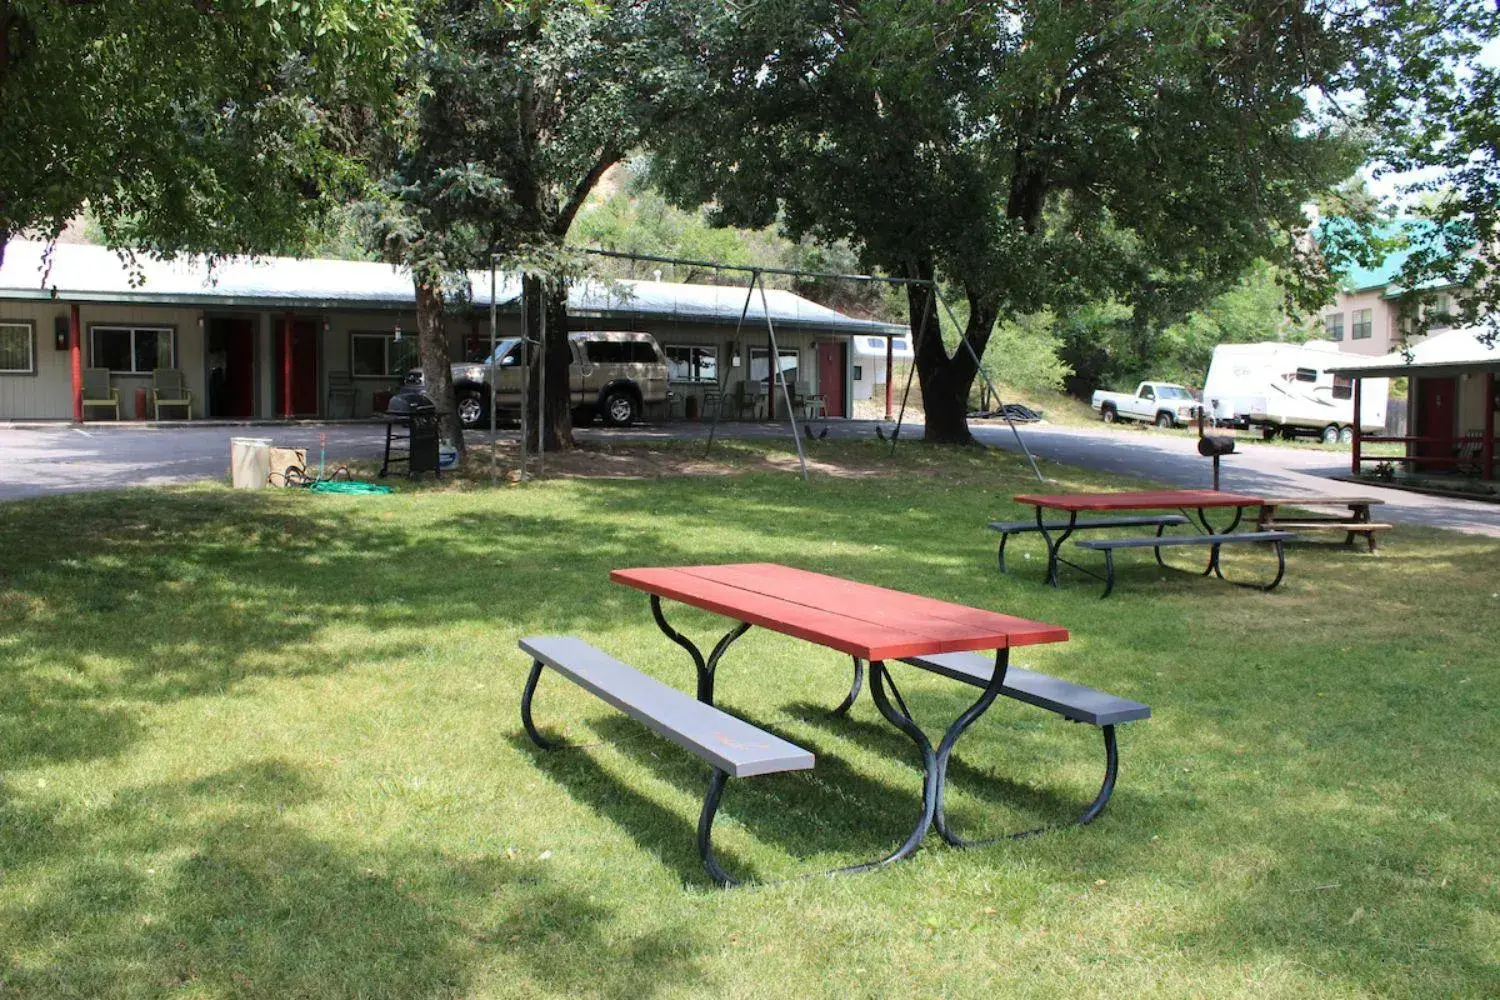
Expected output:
(1038, 155)
(185, 125)
(514, 112)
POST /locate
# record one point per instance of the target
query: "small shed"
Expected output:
(1453, 401)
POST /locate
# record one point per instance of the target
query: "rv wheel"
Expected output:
(1331, 434)
(1346, 435)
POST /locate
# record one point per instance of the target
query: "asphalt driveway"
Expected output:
(39, 460)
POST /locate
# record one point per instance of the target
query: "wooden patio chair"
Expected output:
(169, 388)
(1470, 448)
(98, 392)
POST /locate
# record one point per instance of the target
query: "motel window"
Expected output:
(1333, 325)
(17, 349)
(1438, 312)
(1363, 324)
(381, 355)
(132, 350)
(692, 364)
(760, 367)
(1343, 387)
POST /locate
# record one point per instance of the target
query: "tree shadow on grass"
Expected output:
(208, 886)
(192, 594)
(669, 836)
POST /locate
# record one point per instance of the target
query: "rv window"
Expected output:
(1343, 387)
(1307, 375)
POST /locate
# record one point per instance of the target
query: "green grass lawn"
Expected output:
(267, 745)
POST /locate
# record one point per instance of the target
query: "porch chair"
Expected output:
(341, 394)
(98, 392)
(169, 388)
(713, 400)
(744, 399)
(1467, 458)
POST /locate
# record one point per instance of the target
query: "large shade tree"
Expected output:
(185, 125)
(1428, 102)
(516, 110)
(1036, 154)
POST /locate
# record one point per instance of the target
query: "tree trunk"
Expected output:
(945, 380)
(550, 415)
(437, 366)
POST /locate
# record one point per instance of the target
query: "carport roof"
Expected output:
(1447, 352)
(85, 274)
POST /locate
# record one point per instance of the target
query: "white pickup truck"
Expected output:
(1165, 404)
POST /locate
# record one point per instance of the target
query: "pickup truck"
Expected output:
(1165, 404)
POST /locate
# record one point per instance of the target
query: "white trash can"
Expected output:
(249, 462)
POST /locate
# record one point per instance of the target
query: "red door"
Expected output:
(833, 371)
(297, 368)
(1435, 401)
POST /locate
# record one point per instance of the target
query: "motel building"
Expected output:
(1454, 404)
(285, 339)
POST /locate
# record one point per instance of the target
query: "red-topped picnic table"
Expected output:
(865, 622)
(1199, 502)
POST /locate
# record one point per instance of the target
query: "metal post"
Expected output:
(75, 361)
(541, 387)
(890, 360)
(786, 396)
(726, 365)
(916, 350)
(999, 401)
(494, 442)
(1358, 428)
(525, 373)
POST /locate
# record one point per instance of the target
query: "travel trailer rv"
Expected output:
(1283, 388)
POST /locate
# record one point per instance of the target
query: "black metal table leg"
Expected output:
(704, 667)
(1208, 528)
(1053, 548)
(526, 696)
(902, 720)
(859, 676)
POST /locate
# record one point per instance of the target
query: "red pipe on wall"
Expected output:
(286, 366)
(75, 361)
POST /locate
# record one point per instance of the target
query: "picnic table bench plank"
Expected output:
(730, 744)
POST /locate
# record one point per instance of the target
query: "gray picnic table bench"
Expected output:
(1161, 522)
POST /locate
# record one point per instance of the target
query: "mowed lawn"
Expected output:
(268, 745)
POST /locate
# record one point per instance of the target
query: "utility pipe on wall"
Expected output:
(75, 360)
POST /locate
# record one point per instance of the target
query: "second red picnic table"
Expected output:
(1073, 504)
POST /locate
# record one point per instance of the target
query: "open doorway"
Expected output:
(231, 366)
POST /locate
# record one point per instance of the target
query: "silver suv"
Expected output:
(615, 374)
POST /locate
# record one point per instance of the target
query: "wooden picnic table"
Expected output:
(865, 622)
(1353, 523)
(1073, 504)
